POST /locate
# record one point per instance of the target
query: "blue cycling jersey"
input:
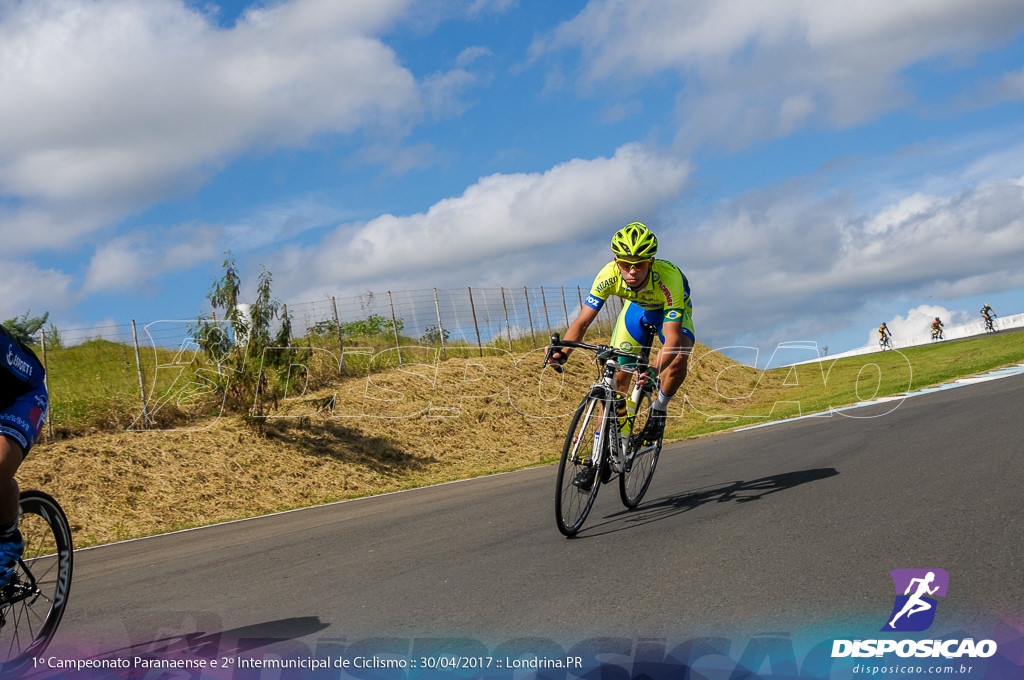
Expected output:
(23, 398)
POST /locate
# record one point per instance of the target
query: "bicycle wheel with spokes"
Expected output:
(635, 479)
(574, 498)
(32, 603)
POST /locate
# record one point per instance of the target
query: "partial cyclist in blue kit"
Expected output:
(655, 291)
(23, 406)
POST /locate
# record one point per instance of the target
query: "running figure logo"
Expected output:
(915, 607)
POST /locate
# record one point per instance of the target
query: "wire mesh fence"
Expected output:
(117, 376)
(468, 317)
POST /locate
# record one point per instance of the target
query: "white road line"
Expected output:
(961, 382)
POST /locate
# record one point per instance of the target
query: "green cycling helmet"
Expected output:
(634, 240)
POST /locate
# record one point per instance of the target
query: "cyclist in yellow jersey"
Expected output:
(655, 291)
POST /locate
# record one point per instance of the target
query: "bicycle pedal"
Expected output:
(584, 479)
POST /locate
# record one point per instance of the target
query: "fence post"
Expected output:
(579, 294)
(341, 343)
(508, 329)
(440, 328)
(544, 301)
(565, 307)
(529, 314)
(142, 384)
(394, 326)
(46, 382)
(472, 308)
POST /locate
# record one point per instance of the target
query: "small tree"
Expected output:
(433, 336)
(323, 328)
(53, 337)
(25, 328)
(373, 325)
(244, 383)
(263, 311)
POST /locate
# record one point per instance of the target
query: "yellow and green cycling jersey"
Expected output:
(664, 297)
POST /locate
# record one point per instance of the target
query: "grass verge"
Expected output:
(426, 422)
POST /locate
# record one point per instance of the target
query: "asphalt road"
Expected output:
(770, 529)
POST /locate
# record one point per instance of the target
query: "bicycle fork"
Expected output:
(610, 428)
(620, 459)
(615, 446)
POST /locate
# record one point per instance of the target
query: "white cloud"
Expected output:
(1010, 87)
(279, 222)
(621, 110)
(794, 112)
(125, 102)
(444, 91)
(32, 227)
(481, 6)
(760, 70)
(893, 216)
(784, 258)
(783, 263)
(500, 215)
(25, 287)
(133, 261)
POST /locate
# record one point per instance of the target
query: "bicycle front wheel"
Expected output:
(641, 458)
(32, 603)
(578, 478)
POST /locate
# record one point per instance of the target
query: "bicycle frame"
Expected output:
(605, 388)
(595, 447)
(608, 395)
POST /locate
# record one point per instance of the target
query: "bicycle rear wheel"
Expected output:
(33, 601)
(573, 502)
(633, 481)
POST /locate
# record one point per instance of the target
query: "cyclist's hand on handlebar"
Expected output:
(555, 358)
(645, 376)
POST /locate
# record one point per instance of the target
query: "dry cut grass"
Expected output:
(427, 422)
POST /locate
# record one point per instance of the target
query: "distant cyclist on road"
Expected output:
(937, 328)
(989, 314)
(23, 406)
(884, 335)
(655, 291)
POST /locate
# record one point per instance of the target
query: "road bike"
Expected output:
(885, 342)
(600, 442)
(937, 334)
(989, 325)
(33, 601)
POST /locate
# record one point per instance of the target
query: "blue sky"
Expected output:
(813, 172)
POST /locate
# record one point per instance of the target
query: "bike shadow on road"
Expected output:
(281, 636)
(730, 492)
